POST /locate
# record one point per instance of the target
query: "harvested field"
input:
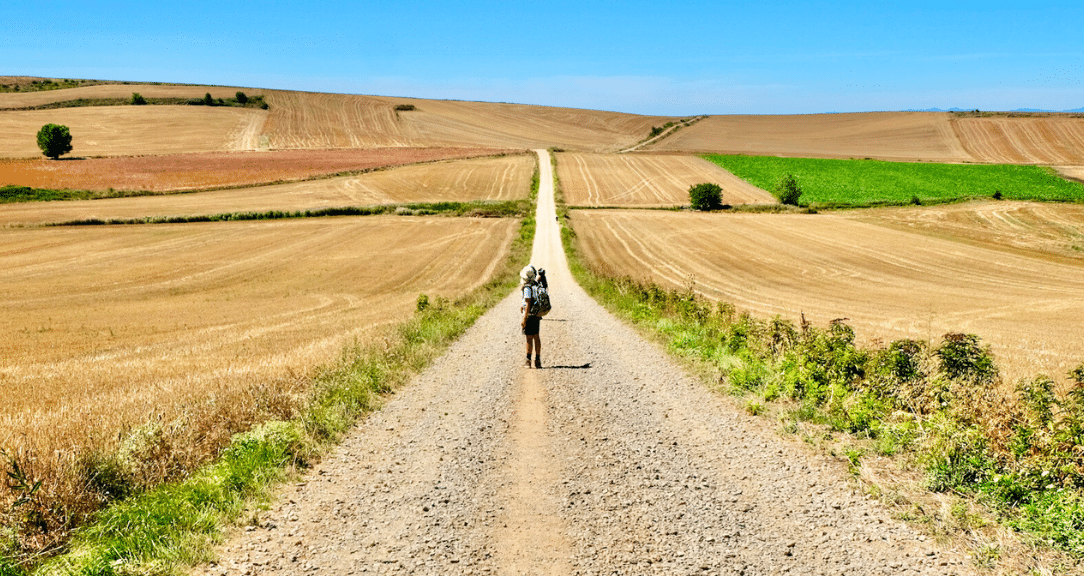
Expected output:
(200, 326)
(1071, 172)
(134, 130)
(1055, 139)
(10, 100)
(212, 169)
(889, 284)
(310, 120)
(648, 180)
(306, 120)
(503, 178)
(900, 136)
(882, 135)
(1030, 228)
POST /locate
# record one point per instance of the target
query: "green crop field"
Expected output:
(875, 182)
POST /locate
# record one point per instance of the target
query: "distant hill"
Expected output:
(971, 109)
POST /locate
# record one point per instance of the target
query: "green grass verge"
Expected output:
(166, 529)
(860, 183)
(934, 405)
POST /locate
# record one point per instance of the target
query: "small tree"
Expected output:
(789, 190)
(137, 99)
(706, 196)
(54, 140)
(207, 100)
(242, 98)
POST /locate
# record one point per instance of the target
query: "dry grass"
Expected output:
(889, 284)
(646, 180)
(179, 335)
(504, 178)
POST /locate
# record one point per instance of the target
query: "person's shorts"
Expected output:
(531, 329)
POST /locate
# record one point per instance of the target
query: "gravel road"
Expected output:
(609, 460)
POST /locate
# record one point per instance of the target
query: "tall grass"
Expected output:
(161, 529)
(827, 183)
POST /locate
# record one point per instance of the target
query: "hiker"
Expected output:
(529, 287)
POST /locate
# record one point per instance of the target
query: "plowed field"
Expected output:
(1026, 227)
(924, 136)
(213, 169)
(889, 284)
(106, 327)
(646, 180)
(134, 130)
(503, 178)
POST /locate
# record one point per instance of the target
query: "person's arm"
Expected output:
(527, 308)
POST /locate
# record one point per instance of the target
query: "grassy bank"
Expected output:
(857, 183)
(160, 527)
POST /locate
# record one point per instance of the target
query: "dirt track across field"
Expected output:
(607, 461)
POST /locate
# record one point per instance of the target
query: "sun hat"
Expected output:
(527, 274)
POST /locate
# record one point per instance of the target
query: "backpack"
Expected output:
(540, 304)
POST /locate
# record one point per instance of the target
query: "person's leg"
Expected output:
(537, 351)
(528, 362)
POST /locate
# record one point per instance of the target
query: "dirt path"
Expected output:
(608, 461)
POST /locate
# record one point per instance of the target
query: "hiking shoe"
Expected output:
(537, 362)
(527, 364)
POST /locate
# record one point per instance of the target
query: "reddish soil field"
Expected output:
(212, 169)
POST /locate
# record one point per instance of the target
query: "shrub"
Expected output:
(242, 99)
(54, 140)
(137, 99)
(404, 107)
(963, 358)
(789, 190)
(706, 196)
(207, 100)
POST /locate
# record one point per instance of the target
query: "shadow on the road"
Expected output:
(583, 367)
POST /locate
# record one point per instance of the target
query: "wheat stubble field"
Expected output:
(646, 180)
(890, 284)
(106, 329)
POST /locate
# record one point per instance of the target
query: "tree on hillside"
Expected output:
(137, 99)
(242, 98)
(706, 196)
(207, 100)
(54, 140)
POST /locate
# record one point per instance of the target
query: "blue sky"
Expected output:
(664, 57)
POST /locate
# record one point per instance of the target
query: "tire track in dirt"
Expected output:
(608, 461)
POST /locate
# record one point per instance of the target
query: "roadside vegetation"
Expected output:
(939, 408)
(827, 183)
(141, 512)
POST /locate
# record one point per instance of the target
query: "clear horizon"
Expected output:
(677, 59)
